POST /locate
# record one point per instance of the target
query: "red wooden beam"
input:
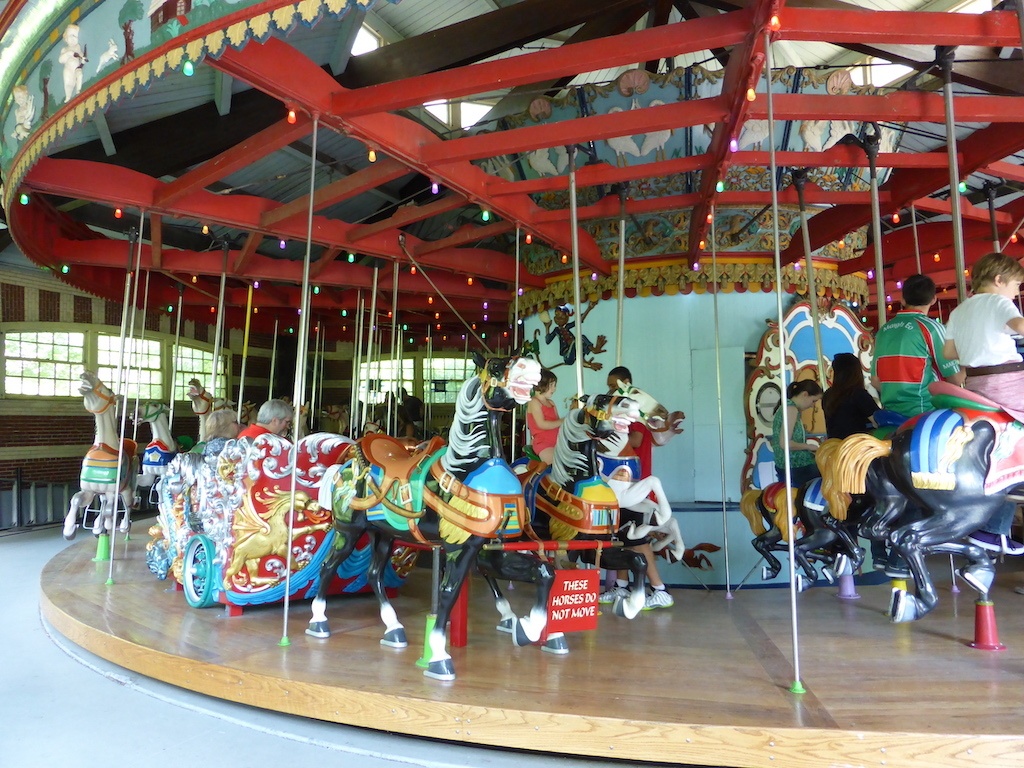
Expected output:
(838, 26)
(256, 147)
(898, 106)
(407, 215)
(527, 69)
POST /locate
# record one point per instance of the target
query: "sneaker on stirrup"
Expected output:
(659, 598)
(609, 596)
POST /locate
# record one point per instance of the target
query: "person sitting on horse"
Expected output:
(221, 426)
(542, 416)
(274, 417)
(410, 416)
(978, 335)
(800, 396)
(909, 355)
(848, 406)
(642, 444)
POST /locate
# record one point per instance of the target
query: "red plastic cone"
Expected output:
(986, 636)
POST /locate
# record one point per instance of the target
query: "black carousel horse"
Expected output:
(457, 497)
(956, 465)
(570, 500)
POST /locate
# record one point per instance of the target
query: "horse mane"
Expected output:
(844, 472)
(467, 445)
(569, 461)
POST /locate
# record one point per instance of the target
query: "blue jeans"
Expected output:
(798, 476)
(1001, 520)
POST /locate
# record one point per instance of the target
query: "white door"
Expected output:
(708, 467)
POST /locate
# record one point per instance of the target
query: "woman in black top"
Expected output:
(847, 405)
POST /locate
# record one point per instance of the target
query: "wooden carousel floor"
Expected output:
(705, 682)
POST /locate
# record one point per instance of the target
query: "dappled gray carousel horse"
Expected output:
(573, 502)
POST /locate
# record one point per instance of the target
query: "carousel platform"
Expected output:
(706, 682)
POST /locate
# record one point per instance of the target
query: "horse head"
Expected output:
(151, 411)
(248, 413)
(605, 415)
(507, 381)
(663, 425)
(97, 395)
(201, 400)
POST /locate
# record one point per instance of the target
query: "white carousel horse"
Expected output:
(162, 449)
(303, 416)
(203, 404)
(618, 472)
(100, 465)
(339, 414)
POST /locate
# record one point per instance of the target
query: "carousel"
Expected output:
(366, 188)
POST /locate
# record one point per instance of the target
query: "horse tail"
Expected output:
(844, 472)
(750, 510)
(777, 504)
(838, 502)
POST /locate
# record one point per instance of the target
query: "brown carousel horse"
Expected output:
(956, 465)
(457, 497)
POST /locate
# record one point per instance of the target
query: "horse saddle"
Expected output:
(399, 467)
(593, 510)
(100, 462)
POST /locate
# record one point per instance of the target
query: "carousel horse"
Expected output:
(570, 500)
(821, 538)
(956, 464)
(619, 465)
(339, 415)
(100, 465)
(457, 497)
(162, 449)
(248, 413)
(203, 404)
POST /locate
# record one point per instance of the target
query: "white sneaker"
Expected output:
(659, 598)
(609, 596)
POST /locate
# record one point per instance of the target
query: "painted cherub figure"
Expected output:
(563, 330)
(72, 57)
(24, 112)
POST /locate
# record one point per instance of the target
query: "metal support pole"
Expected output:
(245, 353)
(799, 180)
(872, 142)
(944, 57)
(174, 360)
(219, 329)
(620, 293)
(574, 232)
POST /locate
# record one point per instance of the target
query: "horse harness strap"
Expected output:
(493, 506)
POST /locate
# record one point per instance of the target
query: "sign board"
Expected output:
(572, 605)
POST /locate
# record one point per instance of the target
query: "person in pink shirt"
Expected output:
(542, 416)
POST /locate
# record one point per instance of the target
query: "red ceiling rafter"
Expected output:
(905, 186)
(278, 69)
(258, 145)
(838, 26)
(527, 69)
(742, 72)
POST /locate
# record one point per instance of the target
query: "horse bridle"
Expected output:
(205, 397)
(110, 399)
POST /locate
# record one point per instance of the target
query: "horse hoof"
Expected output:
(980, 579)
(768, 573)
(802, 583)
(395, 638)
(829, 575)
(440, 670)
(840, 567)
(519, 636)
(904, 607)
(505, 625)
(629, 607)
(318, 629)
(69, 534)
(556, 644)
